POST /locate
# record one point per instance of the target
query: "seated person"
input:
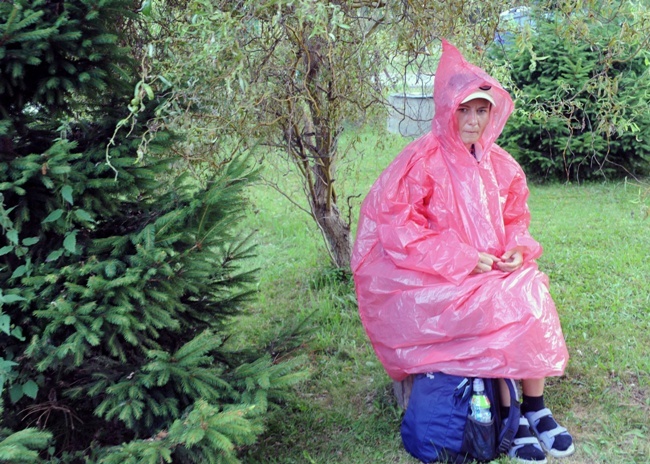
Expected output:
(444, 264)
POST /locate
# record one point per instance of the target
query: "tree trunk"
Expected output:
(336, 231)
(317, 148)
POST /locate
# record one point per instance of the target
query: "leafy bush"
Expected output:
(118, 278)
(563, 128)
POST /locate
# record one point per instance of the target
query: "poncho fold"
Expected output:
(421, 228)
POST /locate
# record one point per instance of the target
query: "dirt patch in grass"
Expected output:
(628, 386)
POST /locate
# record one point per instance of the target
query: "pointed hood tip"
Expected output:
(449, 49)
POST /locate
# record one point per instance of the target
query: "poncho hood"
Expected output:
(455, 79)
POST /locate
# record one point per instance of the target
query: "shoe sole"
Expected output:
(527, 461)
(557, 453)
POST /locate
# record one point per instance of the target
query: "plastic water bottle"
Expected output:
(480, 403)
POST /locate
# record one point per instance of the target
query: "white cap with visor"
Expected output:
(481, 93)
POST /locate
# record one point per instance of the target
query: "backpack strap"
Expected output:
(511, 425)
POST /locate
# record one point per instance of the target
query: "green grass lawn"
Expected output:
(597, 254)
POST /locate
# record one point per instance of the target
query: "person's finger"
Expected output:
(482, 267)
(506, 267)
(514, 254)
(510, 266)
(488, 259)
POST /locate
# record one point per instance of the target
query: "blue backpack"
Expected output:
(437, 426)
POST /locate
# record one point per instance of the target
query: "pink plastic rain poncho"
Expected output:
(421, 228)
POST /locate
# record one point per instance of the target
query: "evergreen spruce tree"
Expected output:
(118, 278)
(563, 128)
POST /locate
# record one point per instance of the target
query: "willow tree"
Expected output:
(284, 77)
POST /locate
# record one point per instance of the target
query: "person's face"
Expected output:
(472, 118)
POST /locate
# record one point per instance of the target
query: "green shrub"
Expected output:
(118, 278)
(581, 114)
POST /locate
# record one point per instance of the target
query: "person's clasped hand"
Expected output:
(510, 261)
